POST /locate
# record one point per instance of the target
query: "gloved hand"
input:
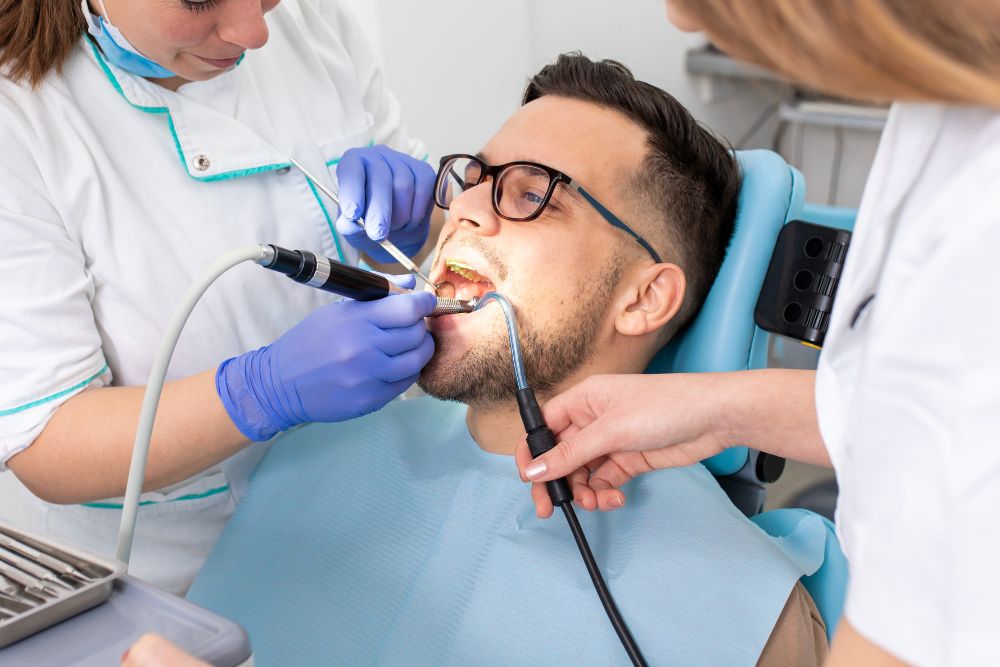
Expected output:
(392, 192)
(343, 360)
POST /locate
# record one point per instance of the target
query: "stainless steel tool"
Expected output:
(31, 584)
(35, 570)
(387, 245)
(54, 564)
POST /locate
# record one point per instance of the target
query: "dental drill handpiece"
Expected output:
(330, 275)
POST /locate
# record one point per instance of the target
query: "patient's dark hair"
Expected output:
(689, 178)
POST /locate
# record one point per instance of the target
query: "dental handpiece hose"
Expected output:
(540, 440)
(302, 266)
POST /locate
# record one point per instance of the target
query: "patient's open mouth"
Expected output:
(463, 281)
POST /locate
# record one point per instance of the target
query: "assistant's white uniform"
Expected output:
(908, 390)
(115, 194)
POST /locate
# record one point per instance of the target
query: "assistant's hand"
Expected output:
(343, 360)
(155, 651)
(612, 428)
(392, 192)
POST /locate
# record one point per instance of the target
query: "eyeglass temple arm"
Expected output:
(613, 220)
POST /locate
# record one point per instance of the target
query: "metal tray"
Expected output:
(20, 620)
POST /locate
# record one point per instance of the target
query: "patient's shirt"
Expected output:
(394, 539)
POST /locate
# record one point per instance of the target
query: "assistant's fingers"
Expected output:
(522, 457)
(543, 504)
(610, 499)
(154, 651)
(583, 495)
(564, 410)
(572, 452)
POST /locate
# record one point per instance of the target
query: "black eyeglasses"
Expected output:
(521, 190)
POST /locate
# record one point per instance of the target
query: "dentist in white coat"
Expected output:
(140, 140)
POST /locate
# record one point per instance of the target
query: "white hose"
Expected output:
(137, 470)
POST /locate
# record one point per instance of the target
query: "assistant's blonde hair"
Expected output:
(881, 50)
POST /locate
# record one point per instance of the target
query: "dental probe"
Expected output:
(33, 569)
(51, 562)
(31, 584)
(10, 589)
(386, 244)
(330, 275)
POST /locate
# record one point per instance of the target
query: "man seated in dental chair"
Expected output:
(406, 536)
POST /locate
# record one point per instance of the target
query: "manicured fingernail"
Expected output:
(617, 501)
(125, 655)
(535, 469)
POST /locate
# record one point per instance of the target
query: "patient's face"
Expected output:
(560, 271)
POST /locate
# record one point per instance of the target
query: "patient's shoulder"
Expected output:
(799, 636)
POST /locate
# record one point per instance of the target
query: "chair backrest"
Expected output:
(723, 336)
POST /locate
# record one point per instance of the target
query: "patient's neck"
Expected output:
(495, 427)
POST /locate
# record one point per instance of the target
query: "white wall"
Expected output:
(459, 67)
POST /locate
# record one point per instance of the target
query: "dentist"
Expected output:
(905, 404)
(140, 140)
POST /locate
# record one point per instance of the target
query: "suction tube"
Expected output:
(540, 440)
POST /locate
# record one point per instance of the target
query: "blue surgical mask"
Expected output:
(118, 50)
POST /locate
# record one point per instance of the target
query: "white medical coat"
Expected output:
(908, 390)
(115, 194)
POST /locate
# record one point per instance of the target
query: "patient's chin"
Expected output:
(483, 373)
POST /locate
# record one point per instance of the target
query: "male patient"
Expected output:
(406, 537)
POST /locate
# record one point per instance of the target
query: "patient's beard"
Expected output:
(485, 373)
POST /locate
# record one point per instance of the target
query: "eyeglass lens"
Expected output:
(519, 189)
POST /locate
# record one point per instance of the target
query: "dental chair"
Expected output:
(724, 337)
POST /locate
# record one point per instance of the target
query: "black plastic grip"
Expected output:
(540, 440)
(285, 261)
(531, 414)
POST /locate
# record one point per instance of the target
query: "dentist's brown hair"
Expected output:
(37, 36)
(880, 50)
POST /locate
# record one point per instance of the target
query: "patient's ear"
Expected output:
(652, 300)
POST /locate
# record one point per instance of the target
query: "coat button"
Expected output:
(201, 162)
(284, 170)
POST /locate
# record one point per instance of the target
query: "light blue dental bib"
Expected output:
(394, 540)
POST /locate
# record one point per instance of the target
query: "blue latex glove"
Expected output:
(392, 192)
(343, 360)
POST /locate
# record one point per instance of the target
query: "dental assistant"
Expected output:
(905, 404)
(140, 140)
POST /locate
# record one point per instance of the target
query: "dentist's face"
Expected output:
(559, 271)
(194, 40)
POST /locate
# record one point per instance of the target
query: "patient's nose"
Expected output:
(473, 210)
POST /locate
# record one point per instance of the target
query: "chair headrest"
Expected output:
(723, 335)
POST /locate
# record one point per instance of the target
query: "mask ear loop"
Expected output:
(104, 12)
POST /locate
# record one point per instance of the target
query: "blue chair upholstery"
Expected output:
(828, 585)
(724, 337)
